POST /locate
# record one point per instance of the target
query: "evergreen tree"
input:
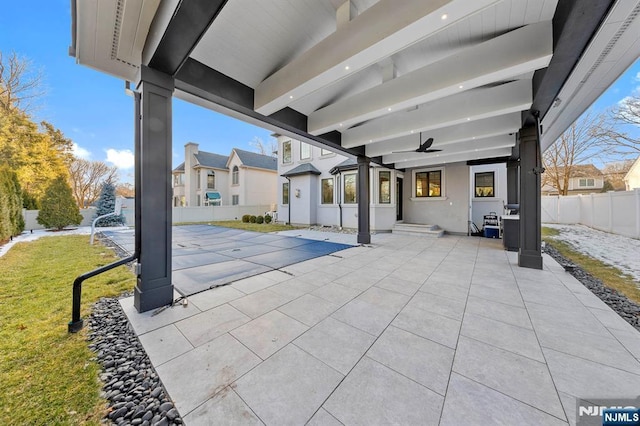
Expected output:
(107, 204)
(11, 220)
(59, 208)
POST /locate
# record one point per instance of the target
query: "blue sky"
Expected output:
(92, 109)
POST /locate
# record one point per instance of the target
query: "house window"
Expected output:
(585, 183)
(285, 193)
(485, 184)
(327, 191)
(350, 189)
(176, 201)
(178, 179)
(384, 187)
(183, 201)
(235, 200)
(305, 151)
(198, 202)
(235, 176)
(198, 179)
(325, 152)
(429, 184)
(211, 180)
(286, 152)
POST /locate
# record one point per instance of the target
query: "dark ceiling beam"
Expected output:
(485, 161)
(574, 25)
(202, 81)
(189, 23)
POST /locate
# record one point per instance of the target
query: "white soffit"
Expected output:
(383, 29)
(479, 129)
(438, 158)
(472, 105)
(523, 50)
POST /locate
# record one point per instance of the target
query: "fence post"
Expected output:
(637, 192)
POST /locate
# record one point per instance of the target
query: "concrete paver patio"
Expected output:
(407, 330)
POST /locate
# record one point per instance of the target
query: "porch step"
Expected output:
(418, 229)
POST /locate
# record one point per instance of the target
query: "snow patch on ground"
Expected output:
(615, 250)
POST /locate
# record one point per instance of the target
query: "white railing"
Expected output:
(615, 212)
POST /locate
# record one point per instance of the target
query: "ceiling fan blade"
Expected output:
(431, 150)
(423, 148)
(425, 145)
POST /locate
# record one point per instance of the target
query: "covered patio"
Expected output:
(406, 330)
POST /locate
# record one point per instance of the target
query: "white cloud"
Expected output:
(122, 159)
(80, 152)
(638, 76)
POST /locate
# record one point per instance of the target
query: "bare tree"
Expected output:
(20, 85)
(261, 147)
(86, 178)
(579, 143)
(613, 137)
(125, 190)
(614, 174)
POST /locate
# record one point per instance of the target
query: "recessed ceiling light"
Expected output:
(347, 68)
(412, 131)
(388, 109)
(471, 138)
(468, 119)
(340, 124)
(444, 16)
(290, 96)
(461, 87)
(370, 140)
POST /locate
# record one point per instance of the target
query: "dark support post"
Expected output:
(364, 233)
(512, 182)
(530, 254)
(154, 288)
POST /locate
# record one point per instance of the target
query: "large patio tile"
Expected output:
(293, 288)
(560, 299)
(277, 276)
(260, 302)
(253, 284)
(438, 328)
(196, 376)
(512, 338)
(335, 343)
(397, 285)
(323, 418)
(267, 334)
(603, 349)
(519, 377)
(385, 299)
(288, 388)
(309, 309)
(611, 319)
(225, 408)
(336, 293)
(590, 300)
(405, 274)
(588, 379)
(208, 325)
(471, 403)
(503, 295)
(365, 316)
(571, 318)
(164, 344)
(446, 306)
(419, 359)
(359, 279)
(215, 297)
(445, 289)
(630, 340)
(499, 311)
(373, 394)
(154, 319)
(318, 278)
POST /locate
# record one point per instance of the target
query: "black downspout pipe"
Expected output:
(77, 322)
(289, 201)
(340, 196)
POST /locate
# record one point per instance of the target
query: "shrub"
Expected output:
(267, 218)
(59, 208)
(259, 219)
(246, 218)
(252, 219)
(11, 221)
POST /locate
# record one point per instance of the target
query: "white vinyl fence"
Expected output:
(615, 212)
(30, 216)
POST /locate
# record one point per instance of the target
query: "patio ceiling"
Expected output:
(370, 76)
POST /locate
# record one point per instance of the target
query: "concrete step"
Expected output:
(433, 231)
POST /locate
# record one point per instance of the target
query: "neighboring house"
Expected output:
(632, 178)
(585, 179)
(208, 179)
(318, 187)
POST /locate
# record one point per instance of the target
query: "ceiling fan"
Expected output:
(424, 147)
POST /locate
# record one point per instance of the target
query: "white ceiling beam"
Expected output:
(517, 52)
(469, 146)
(432, 160)
(380, 31)
(494, 126)
(472, 105)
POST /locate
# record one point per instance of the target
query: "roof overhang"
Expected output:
(368, 77)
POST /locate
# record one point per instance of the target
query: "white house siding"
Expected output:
(450, 212)
(481, 206)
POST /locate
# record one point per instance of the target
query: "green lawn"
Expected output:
(610, 276)
(237, 224)
(48, 376)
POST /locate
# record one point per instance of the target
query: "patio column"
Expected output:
(530, 254)
(154, 288)
(512, 182)
(364, 234)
